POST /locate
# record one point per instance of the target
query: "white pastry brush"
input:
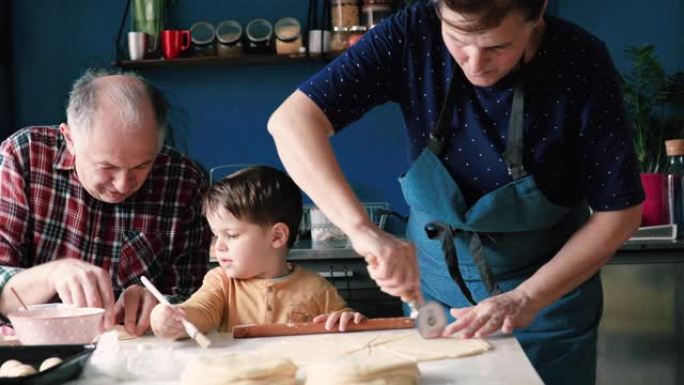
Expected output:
(191, 329)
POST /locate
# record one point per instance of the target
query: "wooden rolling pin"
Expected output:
(274, 330)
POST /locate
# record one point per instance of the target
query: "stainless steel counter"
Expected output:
(630, 253)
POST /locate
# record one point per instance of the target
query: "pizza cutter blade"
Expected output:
(430, 318)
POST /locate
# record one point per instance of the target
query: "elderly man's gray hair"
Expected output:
(125, 97)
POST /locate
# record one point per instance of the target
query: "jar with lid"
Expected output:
(339, 41)
(675, 182)
(229, 34)
(344, 13)
(202, 35)
(355, 34)
(288, 34)
(373, 11)
(259, 36)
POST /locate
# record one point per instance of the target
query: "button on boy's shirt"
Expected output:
(224, 302)
(578, 141)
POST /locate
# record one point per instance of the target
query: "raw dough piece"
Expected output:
(123, 334)
(358, 371)
(239, 369)
(418, 349)
(307, 350)
(7, 365)
(20, 371)
(50, 362)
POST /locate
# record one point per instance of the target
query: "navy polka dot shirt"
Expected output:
(578, 143)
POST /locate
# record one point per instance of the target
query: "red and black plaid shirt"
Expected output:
(46, 214)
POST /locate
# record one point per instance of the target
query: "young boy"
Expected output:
(254, 214)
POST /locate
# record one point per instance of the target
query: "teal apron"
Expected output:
(466, 254)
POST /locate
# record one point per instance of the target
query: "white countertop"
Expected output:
(506, 363)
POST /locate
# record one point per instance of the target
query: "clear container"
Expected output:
(288, 33)
(259, 33)
(324, 234)
(202, 35)
(355, 34)
(373, 11)
(344, 13)
(675, 182)
(229, 35)
(339, 41)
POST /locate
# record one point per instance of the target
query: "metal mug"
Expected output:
(137, 45)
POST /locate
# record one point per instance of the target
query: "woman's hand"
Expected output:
(343, 317)
(391, 262)
(505, 312)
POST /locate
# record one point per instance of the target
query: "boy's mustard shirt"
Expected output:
(224, 302)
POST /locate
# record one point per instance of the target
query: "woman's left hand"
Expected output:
(505, 312)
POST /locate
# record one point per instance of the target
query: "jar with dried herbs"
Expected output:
(344, 13)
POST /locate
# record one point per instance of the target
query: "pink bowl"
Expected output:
(57, 325)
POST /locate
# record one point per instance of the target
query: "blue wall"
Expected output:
(220, 113)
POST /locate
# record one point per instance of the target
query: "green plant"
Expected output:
(655, 103)
(148, 16)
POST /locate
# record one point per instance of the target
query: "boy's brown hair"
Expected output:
(258, 194)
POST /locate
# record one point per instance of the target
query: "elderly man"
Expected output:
(86, 209)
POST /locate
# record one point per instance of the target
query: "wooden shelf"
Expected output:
(246, 59)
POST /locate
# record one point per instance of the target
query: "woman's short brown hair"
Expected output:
(259, 194)
(489, 13)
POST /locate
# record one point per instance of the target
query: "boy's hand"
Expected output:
(166, 322)
(343, 317)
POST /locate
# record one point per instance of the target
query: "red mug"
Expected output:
(174, 41)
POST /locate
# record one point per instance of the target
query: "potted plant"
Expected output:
(148, 16)
(655, 103)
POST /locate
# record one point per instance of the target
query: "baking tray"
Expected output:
(74, 356)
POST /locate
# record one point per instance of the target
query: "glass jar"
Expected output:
(373, 11)
(344, 13)
(355, 34)
(675, 181)
(229, 34)
(259, 33)
(288, 33)
(339, 41)
(202, 35)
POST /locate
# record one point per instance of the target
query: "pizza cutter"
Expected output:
(430, 318)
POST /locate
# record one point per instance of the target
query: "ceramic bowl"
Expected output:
(57, 325)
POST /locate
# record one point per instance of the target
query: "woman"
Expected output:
(516, 128)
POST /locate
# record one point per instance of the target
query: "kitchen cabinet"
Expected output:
(641, 336)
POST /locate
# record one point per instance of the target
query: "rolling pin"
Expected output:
(294, 329)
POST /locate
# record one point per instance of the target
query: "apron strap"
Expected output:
(442, 232)
(513, 155)
(478, 254)
(438, 134)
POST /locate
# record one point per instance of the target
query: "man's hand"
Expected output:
(343, 317)
(133, 308)
(83, 284)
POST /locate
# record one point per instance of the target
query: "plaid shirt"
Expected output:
(46, 214)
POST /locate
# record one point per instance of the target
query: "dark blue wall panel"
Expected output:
(220, 113)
